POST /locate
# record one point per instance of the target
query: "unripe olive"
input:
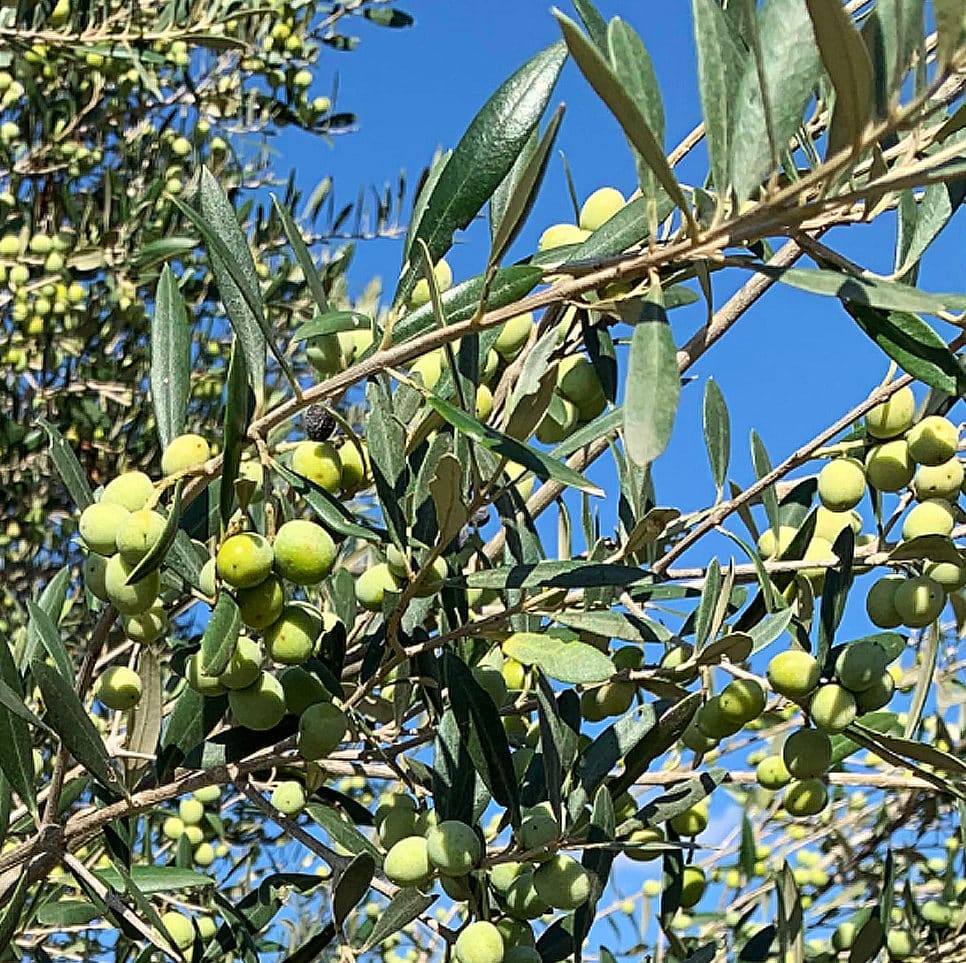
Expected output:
(610, 699)
(893, 416)
(484, 403)
(900, 944)
(931, 517)
(793, 673)
(204, 854)
(304, 552)
(94, 568)
(562, 882)
(832, 708)
(889, 467)
(245, 664)
(173, 828)
(289, 797)
(291, 638)
(860, 664)
(321, 728)
(937, 913)
(772, 773)
(806, 797)
(502, 875)
(514, 335)
(206, 578)
(769, 546)
(131, 489)
(577, 379)
(742, 700)
(558, 422)
(191, 811)
(807, 753)
(841, 484)
(302, 689)
(428, 369)
(391, 802)
(201, 682)
(829, 524)
(119, 687)
(434, 579)
(711, 721)
(645, 840)
(522, 899)
(355, 467)
(442, 274)
(138, 534)
(601, 206)
(844, 936)
(372, 585)
(325, 355)
(561, 235)
(820, 550)
(194, 834)
(695, 739)
(877, 696)
(397, 824)
(453, 847)
(185, 453)
(948, 574)
(99, 524)
(244, 559)
(319, 462)
(538, 829)
(260, 605)
(480, 942)
(407, 863)
(880, 603)
(261, 705)
(939, 481)
(628, 657)
(691, 822)
(130, 599)
(693, 883)
(207, 794)
(679, 655)
(933, 440)
(147, 627)
(179, 928)
(919, 601)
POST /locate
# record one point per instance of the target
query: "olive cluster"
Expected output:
(190, 822)
(422, 850)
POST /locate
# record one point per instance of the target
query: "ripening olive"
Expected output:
(119, 687)
(793, 673)
(184, 453)
(933, 440)
(601, 206)
(893, 416)
(244, 559)
(841, 484)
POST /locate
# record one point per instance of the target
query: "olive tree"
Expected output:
(369, 681)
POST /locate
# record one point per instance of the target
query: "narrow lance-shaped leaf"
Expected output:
(43, 627)
(892, 32)
(483, 157)
(847, 61)
(912, 344)
(791, 68)
(239, 406)
(170, 358)
(16, 756)
(602, 78)
(68, 467)
(69, 719)
(719, 69)
(653, 386)
(593, 21)
(632, 63)
(524, 191)
(157, 553)
(717, 433)
(302, 255)
(950, 26)
(221, 635)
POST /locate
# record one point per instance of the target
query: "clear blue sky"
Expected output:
(793, 364)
